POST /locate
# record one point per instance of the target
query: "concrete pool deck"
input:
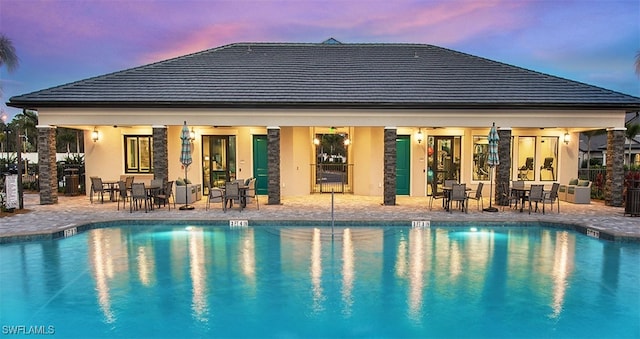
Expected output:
(41, 220)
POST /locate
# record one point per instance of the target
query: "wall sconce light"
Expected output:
(419, 136)
(94, 135)
(192, 135)
(316, 141)
(566, 138)
(347, 141)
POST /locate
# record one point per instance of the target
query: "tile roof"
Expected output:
(327, 75)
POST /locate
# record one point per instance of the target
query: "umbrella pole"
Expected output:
(491, 208)
(186, 194)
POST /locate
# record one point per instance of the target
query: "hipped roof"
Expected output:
(269, 75)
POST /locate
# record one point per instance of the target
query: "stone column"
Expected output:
(47, 167)
(160, 153)
(614, 184)
(390, 165)
(273, 160)
(503, 171)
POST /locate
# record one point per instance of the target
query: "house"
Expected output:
(405, 117)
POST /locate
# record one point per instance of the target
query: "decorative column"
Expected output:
(614, 184)
(503, 171)
(160, 152)
(273, 161)
(48, 170)
(390, 165)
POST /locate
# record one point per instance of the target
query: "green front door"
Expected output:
(260, 164)
(403, 164)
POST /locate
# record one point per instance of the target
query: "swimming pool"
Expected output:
(184, 281)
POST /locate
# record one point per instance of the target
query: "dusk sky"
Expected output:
(61, 41)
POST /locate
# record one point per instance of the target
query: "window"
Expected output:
(549, 154)
(480, 155)
(138, 150)
(526, 158)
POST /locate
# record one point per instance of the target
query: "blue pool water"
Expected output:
(177, 281)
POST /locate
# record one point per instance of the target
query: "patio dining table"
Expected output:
(522, 193)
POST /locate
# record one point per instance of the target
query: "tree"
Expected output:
(589, 135)
(8, 54)
(25, 123)
(630, 133)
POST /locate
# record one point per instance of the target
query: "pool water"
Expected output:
(194, 281)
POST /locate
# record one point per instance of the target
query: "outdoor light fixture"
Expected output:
(192, 134)
(419, 136)
(566, 138)
(94, 135)
(316, 141)
(347, 141)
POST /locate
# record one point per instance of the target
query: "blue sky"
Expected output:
(61, 41)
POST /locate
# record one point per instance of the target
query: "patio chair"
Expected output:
(128, 181)
(138, 196)
(536, 195)
(434, 194)
(165, 195)
(215, 195)
(123, 194)
(459, 195)
(552, 196)
(251, 193)
(231, 194)
(508, 196)
(477, 196)
(97, 187)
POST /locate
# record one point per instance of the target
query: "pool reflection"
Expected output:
(215, 273)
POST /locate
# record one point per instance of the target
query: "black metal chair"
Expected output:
(552, 196)
(477, 196)
(231, 194)
(536, 195)
(459, 195)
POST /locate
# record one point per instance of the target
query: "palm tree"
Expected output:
(8, 54)
(630, 133)
(26, 123)
(589, 135)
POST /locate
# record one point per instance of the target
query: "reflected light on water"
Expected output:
(347, 271)
(416, 272)
(198, 275)
(248, 261)
(562, 268)
(316, 270)
(146, 266)
(105, 245)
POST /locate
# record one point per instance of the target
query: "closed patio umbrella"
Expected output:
(492, 161)
(185, 158)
